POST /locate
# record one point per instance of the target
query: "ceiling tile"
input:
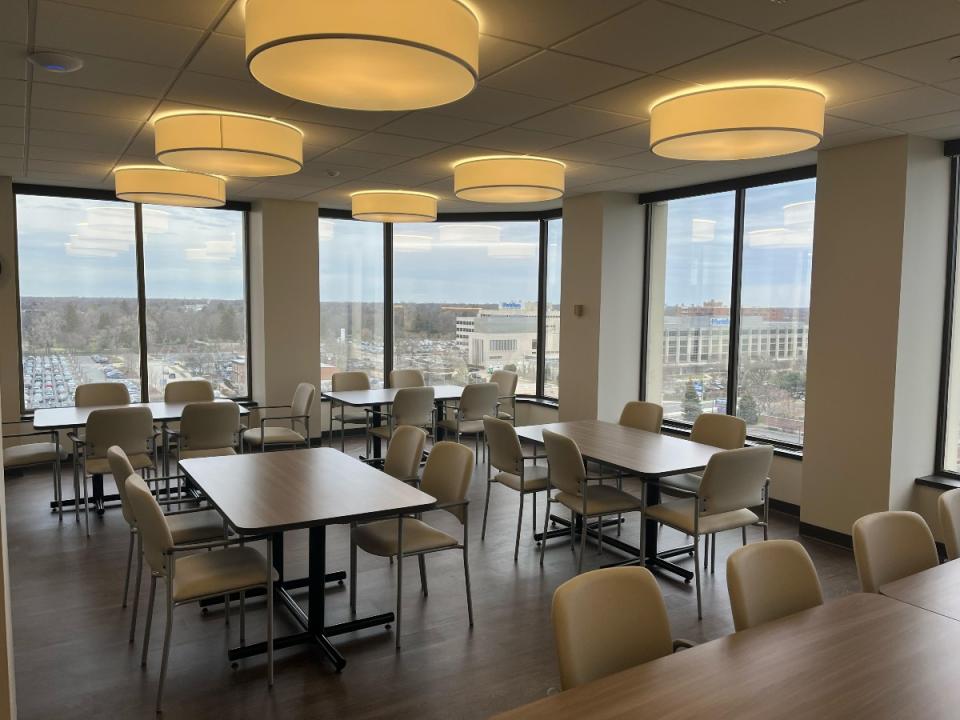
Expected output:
(764, 56)
(93, 102)
(71, 122)
(930, 122)
(517, 140)
(79, 155)
(946, 133)
(902, 105)
(578, 121)
(644, 182)
(192, 13)
(543, 22)
(113, 75)
(67, 140)
(12, 115)
(635, 98)
(276, 190)
(232, 23)
(951, 85)
(11, 150)
(559, 77)
(873, 27)
(437, 127)
(762, 14)
(833, 125)
(222, 55)
(87, 170)
(394, 144)
(646, 162)
(12, 135)
(500, 107)
(14, 26)
(83, 30)
(579, 173)
(853, 82)
(143, 144)
(496, 53)
(13, 61)
(360, 159)
(11, 166)
(324, 136)
(929, 63)
(634, 136)
(334, 116)
(854, 137)
(589, 151)
(228, 94)
(13, 92)
(406, 175)
(653, 36)
(327, 171)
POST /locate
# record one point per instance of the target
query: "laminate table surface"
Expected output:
(385, 396)
(75, 417)
(936, 589)
(861, 656)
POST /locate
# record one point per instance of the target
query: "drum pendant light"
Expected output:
(396, 206)
(508, 179)
(161, 185)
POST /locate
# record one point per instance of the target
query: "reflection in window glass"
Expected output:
(195, 298)
(78, 297)
(775, 308)
(691, 269)
(351, 298)
(465, 300)
(551, 370)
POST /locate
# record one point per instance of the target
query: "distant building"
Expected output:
(767, 335)
(505, 336)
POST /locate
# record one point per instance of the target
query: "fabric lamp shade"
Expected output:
(160, 185)
(396, 206)
(509, 179)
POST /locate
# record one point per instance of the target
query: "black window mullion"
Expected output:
(733, 339)
(141, 302)
(542, 311)
(948, 310)
(387, 301)
(645, 297)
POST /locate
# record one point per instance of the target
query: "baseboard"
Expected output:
(831, 536)
(785, 507)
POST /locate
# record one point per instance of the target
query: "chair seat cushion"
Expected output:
(504, 415)
(687, 481)
(351, 416)
(381, 431)
(208, 452)
(380, 537)
(101, 466)
(467, 427)
(32, 454)
(195, 527)
(219, 572)
(534, 478)
(679, 514)
(273, 436)
(601, 500)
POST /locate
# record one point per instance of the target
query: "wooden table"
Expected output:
(862, 656)
(639, 453)
(936, 589)
(270, 493)
(71, 418)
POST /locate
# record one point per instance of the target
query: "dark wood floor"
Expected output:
(73, 659)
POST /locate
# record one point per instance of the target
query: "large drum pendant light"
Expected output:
(508, 179)
(228, 144)
(161, 185)
(737, 122)
(364, 54)
(396, 206)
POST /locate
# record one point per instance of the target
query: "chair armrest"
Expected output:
(673, 490)
(283, 417)
(381, 413)
(450, 405)
(534, 457)
(212, 545)
(446, 506)
(272, 407)
(74, 438)
(681, 644)
(36, 433)
(187, 511)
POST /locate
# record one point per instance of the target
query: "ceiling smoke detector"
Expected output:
(55, 62)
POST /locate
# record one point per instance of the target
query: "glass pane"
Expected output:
(691, 270)
(78, 297)
(351, 298)
(465, 300)
(551, 379)
(775, 309)
(196, 308)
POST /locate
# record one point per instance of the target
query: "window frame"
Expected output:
(952, 150)
(107, 195)
(739, 186)
(541, 217)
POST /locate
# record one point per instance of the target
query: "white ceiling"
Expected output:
(566, 78)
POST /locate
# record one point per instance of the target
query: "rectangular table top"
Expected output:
(861, 656)
(385, 396)
(290, 489)
(936, 589)
(74, 417)
(639, 452)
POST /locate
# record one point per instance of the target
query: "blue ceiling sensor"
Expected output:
(55, 62)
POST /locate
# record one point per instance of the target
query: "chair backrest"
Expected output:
(948, 507)
(406, 378)
(723, 431)
(151, 523)
(605, 621)
(129, 428)
(735, 479)
(209, 425)
(506, 381)
(447, 475)
(302, 400)
(479, 399)
(103, 393)
(121, 469)
(413, 406)
(353, 380)
(404, 452)
(642, 415)
(194, 390)
(567, 472)
(506, 453)
(891, 545)
(771, 580)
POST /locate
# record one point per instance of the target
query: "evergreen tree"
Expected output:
(691, 403)
(747, 410)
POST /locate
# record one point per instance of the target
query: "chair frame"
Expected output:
(458, 418)
(302, 419)
(390, 424)
(54, 436)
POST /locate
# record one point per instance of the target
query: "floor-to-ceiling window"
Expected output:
(948, 434)
(551, 318)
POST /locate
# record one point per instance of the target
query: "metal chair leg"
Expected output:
(399, 578)
(243, 617)
(136, 589)
(743, 533)
(269, 611)
(168, 629)
(353, 573)
(546, 522)
(696, 572)
(516, 547)
(466, 578)
(600, 535)
(486, 508)
(126, 580)
(706, 550)
(422, 562)
(86, 505)
(146, 629)
(713, 554)
(533, 517)
(583, 544)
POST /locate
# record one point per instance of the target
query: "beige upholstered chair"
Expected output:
(198, 576)
(507, 382)
(609, 620)
(184, 391)
(409, 378)
(733, 482)
(36, 453)
(102, 393)
(411, 406)
(505, 455)
(446, 477)
(642, 415)
(299, 409)
(186, 526)
(723, 431)
(891, 545)
(342, 382)
(477, 401)
(209, 429)
(568, 475)
(948, 507)
(403, 457)
(771, 580)
(130, 429)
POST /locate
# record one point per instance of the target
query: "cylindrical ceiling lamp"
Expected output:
(508, 179)
(161, 185)
(364, 54)
(228, 144)
(396, 206)
(737, 122)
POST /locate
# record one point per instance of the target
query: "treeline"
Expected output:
(365, 320)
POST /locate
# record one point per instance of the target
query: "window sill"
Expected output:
(778, 450)
(940, 482)
(542, 402)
